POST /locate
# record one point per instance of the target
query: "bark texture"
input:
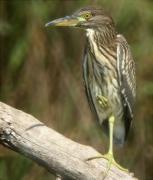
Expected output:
(25, 134)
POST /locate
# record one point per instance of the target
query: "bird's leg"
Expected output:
(102, 101)
(109, 156)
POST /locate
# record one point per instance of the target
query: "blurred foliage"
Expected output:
(14, 167)
(40, 73)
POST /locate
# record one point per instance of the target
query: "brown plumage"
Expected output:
(108, 71)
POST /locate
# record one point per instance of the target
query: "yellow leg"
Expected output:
(109, 156)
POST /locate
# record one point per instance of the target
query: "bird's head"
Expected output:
(86, 18)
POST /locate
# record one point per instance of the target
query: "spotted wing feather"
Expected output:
(126, 75)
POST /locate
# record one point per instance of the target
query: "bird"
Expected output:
(108, 73)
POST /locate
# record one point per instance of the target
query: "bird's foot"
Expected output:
(111, 161)
(102, 101)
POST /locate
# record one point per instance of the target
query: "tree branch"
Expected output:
(23, 133)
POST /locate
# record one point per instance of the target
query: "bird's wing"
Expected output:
(87, 81)
(126, 74)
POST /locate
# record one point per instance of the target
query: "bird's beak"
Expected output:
(66, 21)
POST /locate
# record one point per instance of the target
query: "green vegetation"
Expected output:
(41, 74)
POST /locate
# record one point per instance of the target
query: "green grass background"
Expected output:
(41, 74)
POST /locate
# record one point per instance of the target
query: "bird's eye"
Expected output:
(87, 15)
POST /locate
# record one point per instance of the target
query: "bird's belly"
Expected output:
(111, 94)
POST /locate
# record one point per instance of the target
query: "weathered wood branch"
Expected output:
(23, 133)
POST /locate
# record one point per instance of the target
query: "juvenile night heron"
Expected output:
(108, 71)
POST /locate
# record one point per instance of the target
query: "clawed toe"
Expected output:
(111, 161)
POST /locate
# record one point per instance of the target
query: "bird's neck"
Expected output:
(102, 36)
(102, 45)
